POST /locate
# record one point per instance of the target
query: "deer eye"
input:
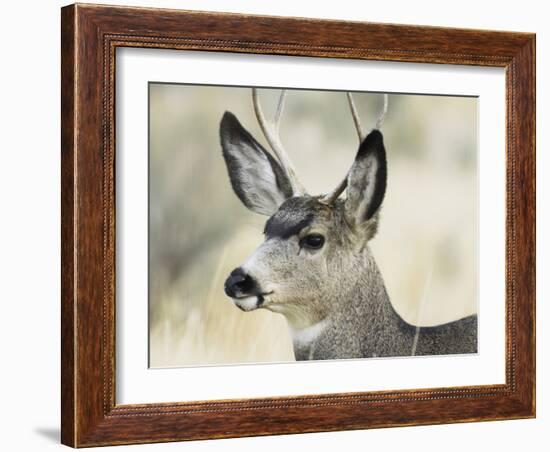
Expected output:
(312, 241)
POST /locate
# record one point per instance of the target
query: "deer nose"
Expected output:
(239, 284)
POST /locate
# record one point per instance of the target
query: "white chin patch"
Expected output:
(246, 304)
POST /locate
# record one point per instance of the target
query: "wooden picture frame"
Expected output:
(90, 35)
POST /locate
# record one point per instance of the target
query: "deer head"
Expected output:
(313, 245)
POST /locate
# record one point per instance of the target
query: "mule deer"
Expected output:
(315, 266)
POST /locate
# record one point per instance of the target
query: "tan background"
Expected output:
(199, 230)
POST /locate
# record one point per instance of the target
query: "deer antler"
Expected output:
(271, 133)
(334, 194)
(355, 115)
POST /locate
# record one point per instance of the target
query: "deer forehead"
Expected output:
(296, 214)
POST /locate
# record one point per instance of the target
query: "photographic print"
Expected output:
(291, 225)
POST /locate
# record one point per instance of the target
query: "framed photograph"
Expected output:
(282, 225)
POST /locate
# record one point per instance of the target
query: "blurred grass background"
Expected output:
(199, 231)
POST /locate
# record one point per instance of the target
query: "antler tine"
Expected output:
(382, 115)
(355, 115)
(331, 197)
(270, 131)
(280, 107)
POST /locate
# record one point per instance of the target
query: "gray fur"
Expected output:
(257, 179)
(334, 297)
(341, 287)
(367, 179)
(365, 324)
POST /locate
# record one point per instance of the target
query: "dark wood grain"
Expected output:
(90, 36)
(68, 310)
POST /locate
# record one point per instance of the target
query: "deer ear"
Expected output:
(367, 179)
(256, 177)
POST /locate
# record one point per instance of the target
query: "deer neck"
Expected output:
(360, 306)
(367, 315)
(362, 288)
